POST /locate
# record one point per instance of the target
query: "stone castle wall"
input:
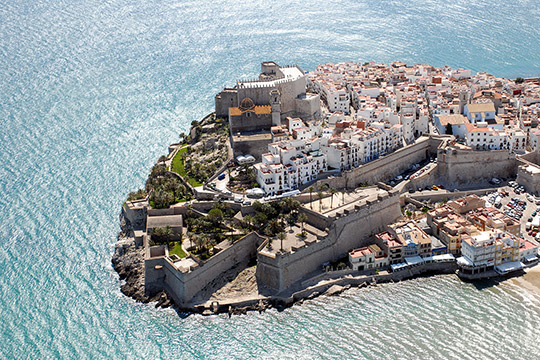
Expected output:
(183, 286)
(386, 167)
(345, 233)
(253, 122)
(224, 100)
(462, 166)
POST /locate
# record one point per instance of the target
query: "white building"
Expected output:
(287, 166)
(366, 258)
(482, 112)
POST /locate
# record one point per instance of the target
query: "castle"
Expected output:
(259, 104)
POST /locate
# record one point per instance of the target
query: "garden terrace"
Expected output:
(207, 153)
(165, 188)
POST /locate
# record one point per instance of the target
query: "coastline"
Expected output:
(530, 280)
(128, 261)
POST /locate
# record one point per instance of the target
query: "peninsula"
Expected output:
(307, 183)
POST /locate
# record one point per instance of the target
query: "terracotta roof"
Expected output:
(259, 110)
(453, 119)
(483, 107)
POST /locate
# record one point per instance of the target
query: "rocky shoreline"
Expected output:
(128, 261)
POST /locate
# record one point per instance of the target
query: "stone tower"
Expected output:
(463, 100)
(275, 104)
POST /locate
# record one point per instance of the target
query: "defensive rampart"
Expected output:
(279, 271)
(465, 166)
(182, 284)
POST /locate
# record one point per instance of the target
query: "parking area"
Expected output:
(514, 202)
(414, 170)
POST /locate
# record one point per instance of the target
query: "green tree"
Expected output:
(248, 220)
(191, 237)
(302, 218)
(281, 237)
(332, 193)
(311, 189)
(275, 226)
(215, 216)
(519, 80)
(162, 235)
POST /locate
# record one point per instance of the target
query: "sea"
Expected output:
(91, 94)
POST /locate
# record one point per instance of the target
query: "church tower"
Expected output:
(275, 104)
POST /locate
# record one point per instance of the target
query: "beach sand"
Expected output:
(530, 280)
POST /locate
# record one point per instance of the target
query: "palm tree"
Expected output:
(320, 196)
(248, 219)
(281, 237)
(343, 197)
(311, 189)
(302, 218)
(190, 236)
(332, 193)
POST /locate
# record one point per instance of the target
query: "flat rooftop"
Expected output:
(343, 201)
(252, 136)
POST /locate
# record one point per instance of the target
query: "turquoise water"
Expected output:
(92, 92)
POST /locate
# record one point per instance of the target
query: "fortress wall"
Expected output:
(356, 229)
(390, 165)
(332, 181)
(184, 286)
(428, 178)
(224, 100)
(289, 91)
(255, 146)
(260, 95)
(251, 123)
(443, 196)
(459, 167)
(529, 176)
(316, 219)
(531, 157)
(135, 214)
(308, 108)
(161, 212)
(346, 233)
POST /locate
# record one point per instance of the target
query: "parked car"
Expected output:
(221, 176)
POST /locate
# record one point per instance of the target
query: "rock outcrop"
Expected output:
(128, 261)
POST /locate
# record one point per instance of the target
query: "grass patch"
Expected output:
(178, 167)
(177, 249)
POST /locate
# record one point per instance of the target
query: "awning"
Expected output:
(508, 267)
(463, 261)
(398, 267)
(444, 257)
(414, 260)
(531, 257)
